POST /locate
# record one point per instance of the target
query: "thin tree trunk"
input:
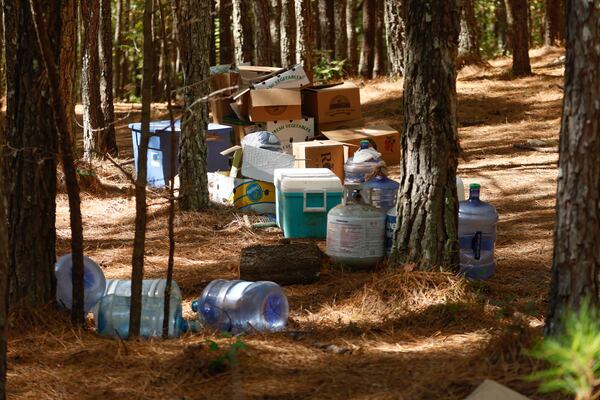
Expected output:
(275, 31)
(288, 33)
(501, 27)
(4, 253)
(576, 261)
(468, 41)
(213, 47)
(326, 30)
(139, 240)
(31, 168)
(394, 29)
(519, 36)
(304, 35)
(243, 31)
(106, 76)
(193, 192)
(380, 56)
(554, 22)
(68, 65)
(125, 81)
(341, 35)
(225, 36)
(118, 50)
(427, 226)
(351, 15)
(367, 55)
(264, 55)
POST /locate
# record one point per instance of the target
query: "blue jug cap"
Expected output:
(195, 306)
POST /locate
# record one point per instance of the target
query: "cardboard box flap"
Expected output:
(360, 133)
(275, 97)
(287, 78)
(331, 86)
(240, 94)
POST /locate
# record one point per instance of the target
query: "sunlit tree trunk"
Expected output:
(243, 31)
(264, 55)
(304, 35)
(341, 35)
(288, 33)
(394, 26)
(351, 15)
(468, 41)
(367, 55)
(275, 31)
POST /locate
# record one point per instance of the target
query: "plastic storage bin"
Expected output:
(160, 149)
(304, 201)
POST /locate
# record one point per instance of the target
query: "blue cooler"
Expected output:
(304, 200)
(160, 149)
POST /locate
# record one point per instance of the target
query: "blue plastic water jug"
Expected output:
(356, 172)
(94, 282)
(380, 192)
(477, 222)
(241, 306)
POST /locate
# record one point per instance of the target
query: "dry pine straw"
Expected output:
(396, 334)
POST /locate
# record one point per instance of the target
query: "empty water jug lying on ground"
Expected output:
(94, 282)
(241, 306)
(477, 222)
(150, 288)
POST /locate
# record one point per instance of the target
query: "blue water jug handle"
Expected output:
(476, 245)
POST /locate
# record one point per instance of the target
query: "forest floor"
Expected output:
(392, 334)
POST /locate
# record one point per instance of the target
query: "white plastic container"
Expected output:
(460, 188)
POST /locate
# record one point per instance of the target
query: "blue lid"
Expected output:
(274, 308)
(157, 126)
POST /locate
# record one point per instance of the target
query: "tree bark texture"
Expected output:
(30, 157)
(468, 40)
(118, 50)
(275, 31)
(93, 119)
(351, 16)
(554, 22)
(193, 192)
(225, 34)
(426, 232)
(68, 63)
(501, 27)
(213, 26)
(285, 264)
(4, 254)
(243, 31)
(288, 33)
(379, 64)
(394, 30)
(341, 35)
(367, 55)
(326, 27)
(304, 35)
(264, 55)
(106, 76)
(516, 13)
(576, 261)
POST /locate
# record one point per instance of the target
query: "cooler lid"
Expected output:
(157, 126)
(283, 172)
(301, 183)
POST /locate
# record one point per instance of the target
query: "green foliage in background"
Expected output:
(326, 70)
(573, 356)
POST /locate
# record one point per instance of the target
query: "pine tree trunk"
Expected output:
(31, 168)
(93, 119)
(426, 232)
(275, 31)
(394, 29)
(125, 81)
(213, 48)
(264, 55)
(351, 15)
(193, 192)
(501, 27)
(225, 35)
(554, 22)
(379, 64)
(367, 55)
(468, 41)
(341, 35)
(68, 63)
(288, 33)
(304, 35)
(106, 76)
(4, 253)
(516, 13)
(118, 50)
(576, 262)
(326, 28)
(243, 31)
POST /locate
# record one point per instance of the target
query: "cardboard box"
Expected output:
(289, 132)
(250, 74)
(240, 128)
(225, 81)
(321, 154)
(331, 103)
(292, 77)
(261, 164)
(269, 105)
(335, 126)
(243, 194)
(383, 138)
(220, 107)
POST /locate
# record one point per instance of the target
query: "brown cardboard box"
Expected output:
(220, 107)
(254, 73)
(321, 154)
(383, 138)
(335, 126)
(224, 81)
(268, 105)
(331, 103)
(293, 77)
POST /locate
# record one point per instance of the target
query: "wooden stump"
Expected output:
(285, 264)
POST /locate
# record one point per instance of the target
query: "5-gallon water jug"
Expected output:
(380, 192)
(94, 282)
(355, 234)
(112, 318)
(241, 306)
(390, 226)
(150, 288)
(356, 171)
(477, 236)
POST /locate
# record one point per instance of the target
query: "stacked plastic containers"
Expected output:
(94, 282)
(477, 222)
(364, 163)
(241, 306)
(303, 197)
(112, 316)
(380, 191)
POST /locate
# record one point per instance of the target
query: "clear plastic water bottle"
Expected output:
(355, 172)
(242, 306)
(112, 318)
(380, 192)
(477, 222)
(94, 282)
(150, 288)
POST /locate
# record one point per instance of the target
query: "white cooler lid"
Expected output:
(301, 183)
(310, 172)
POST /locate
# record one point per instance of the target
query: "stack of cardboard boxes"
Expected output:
(283, 102)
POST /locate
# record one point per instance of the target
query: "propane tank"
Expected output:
(355, 233)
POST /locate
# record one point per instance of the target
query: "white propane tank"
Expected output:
(355, 234)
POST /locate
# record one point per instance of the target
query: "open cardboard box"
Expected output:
(321, 154)
(293, 77)
(290, 131)
(332, 103)
(268, 105)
